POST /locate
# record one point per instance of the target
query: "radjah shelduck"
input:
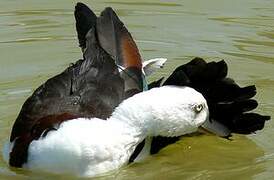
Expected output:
(96, 116)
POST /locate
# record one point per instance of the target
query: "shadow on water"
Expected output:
(205, 157)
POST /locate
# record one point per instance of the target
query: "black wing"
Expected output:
(89, 88)
(115, 39)
(85, 20)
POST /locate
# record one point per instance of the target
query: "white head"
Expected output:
(166, 111)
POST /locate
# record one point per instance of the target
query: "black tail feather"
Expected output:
(248, 123)
(228, 103)
(222, 108)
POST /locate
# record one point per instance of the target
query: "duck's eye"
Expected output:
(198, 107)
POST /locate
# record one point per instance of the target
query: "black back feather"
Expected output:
(90, 87)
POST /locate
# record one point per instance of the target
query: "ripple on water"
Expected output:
(35, 12)
(262, 58)
(146, 3)
(177, 30)
(40, 39)
(268, 34)
(254, 21)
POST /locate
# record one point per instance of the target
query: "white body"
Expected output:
(89, 147)
(82, 147)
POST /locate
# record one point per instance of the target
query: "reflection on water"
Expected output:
(201, 157)
(38, 40)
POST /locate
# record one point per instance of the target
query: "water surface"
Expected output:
(38, 40)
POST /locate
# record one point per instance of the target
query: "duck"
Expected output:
(230, 105)
(91, 146)
(100, 113)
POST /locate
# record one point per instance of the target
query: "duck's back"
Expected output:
(90, 93)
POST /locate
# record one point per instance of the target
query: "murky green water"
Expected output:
(37, 40)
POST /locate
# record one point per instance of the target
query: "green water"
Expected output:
(38, 40)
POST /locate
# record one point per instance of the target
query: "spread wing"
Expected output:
(115, 39)
(85, 20)
(91, 87)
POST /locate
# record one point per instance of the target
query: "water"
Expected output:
(38, 40)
